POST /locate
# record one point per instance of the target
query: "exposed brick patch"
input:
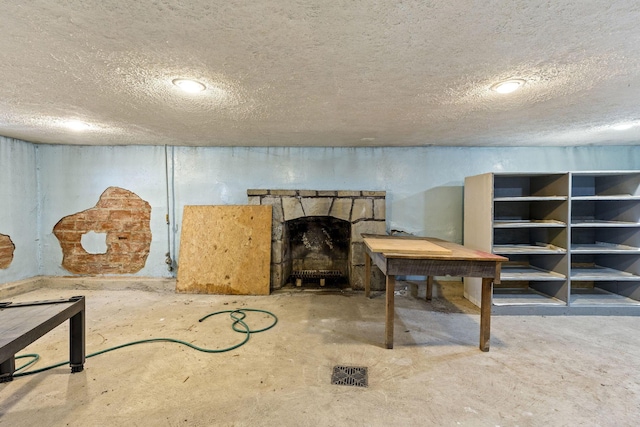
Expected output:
(124, 218)
(6, 251)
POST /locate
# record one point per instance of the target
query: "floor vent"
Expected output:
(350, 375)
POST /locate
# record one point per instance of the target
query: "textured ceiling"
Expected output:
(321, 73)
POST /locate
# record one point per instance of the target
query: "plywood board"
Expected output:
(405, 246)
(225, 250)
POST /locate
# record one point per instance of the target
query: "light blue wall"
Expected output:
(19, 207)
(72, 178)
(424, 184)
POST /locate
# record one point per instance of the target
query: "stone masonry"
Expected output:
(365, 210)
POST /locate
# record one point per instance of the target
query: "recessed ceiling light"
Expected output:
(191, 86)
(77, 125)
(508, 86)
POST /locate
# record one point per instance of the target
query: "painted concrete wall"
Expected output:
(19, 207)
(424, 185)
(72, 178)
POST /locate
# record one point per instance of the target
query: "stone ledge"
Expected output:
(349, 193)
(317, 193)
(283, 192)
(374, 193)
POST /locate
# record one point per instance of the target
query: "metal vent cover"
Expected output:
(356, 376)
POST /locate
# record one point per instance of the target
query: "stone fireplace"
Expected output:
(317, 235)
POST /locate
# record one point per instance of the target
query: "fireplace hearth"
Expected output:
(316, 236)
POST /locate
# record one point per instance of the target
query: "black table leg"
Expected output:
(76, 342)
(6, 369)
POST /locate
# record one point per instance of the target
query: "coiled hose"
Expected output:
(238, 325)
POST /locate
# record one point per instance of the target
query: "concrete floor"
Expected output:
(541, 371)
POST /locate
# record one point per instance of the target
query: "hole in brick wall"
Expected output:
(94, 243)
(121, 245)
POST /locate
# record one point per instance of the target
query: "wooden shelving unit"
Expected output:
(572, 239)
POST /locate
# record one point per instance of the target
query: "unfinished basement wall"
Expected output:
(116, 194)
(424, 186)
(18, 211)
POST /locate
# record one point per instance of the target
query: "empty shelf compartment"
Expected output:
(528, 273)
(609, 184)
(598, 273)
(602, 248)
(523, 296)
(530, 185)
(597, 296)
(540, 248)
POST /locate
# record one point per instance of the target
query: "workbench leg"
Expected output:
(429, 291)
(388, 328)
(485, 313)
(77, 342)
(367, 275)
(7, 368)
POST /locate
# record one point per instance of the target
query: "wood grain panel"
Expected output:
(405, 246)
(225, 250)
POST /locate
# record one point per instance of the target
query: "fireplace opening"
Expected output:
(318, 251)
(347, 215)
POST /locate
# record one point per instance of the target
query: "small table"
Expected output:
(23, 323)
(460, 261)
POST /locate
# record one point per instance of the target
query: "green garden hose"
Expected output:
(238, 325)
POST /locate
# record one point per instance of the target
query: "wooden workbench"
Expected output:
(442, 259)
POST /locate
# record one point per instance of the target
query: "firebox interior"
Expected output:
(318, 251)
